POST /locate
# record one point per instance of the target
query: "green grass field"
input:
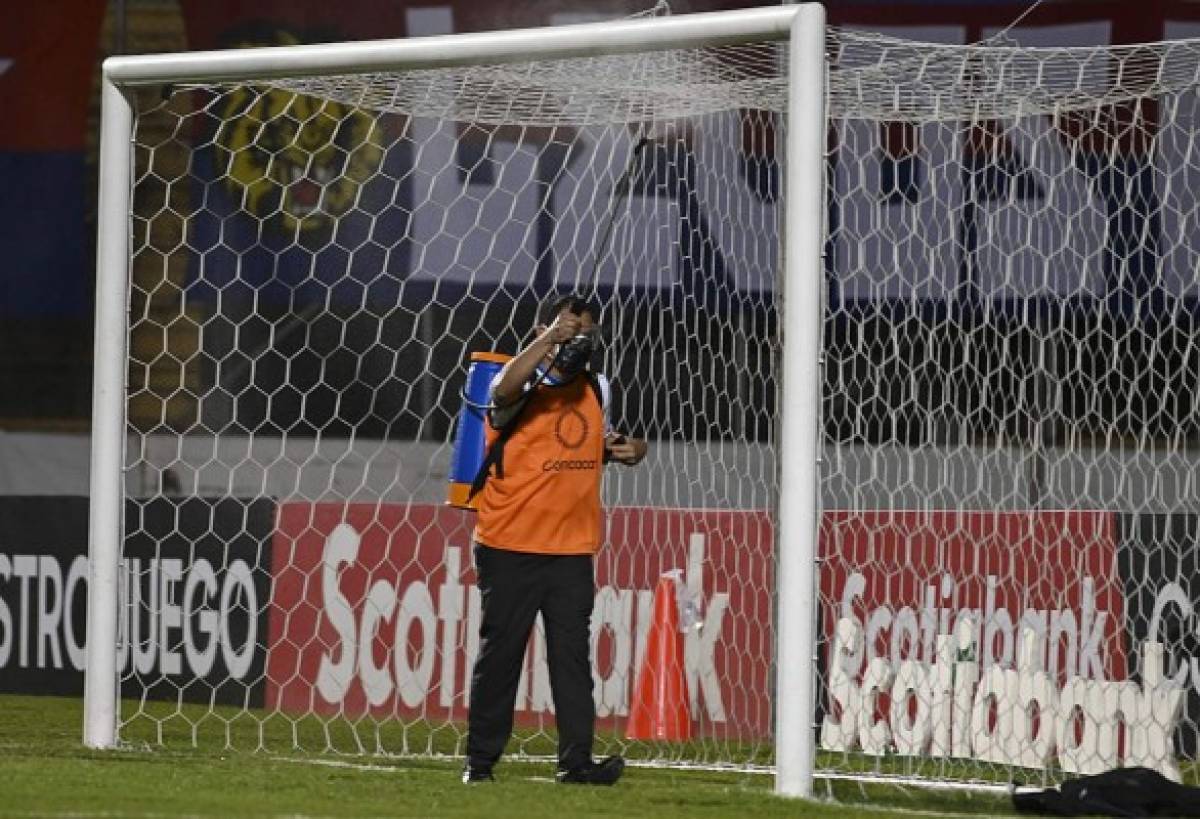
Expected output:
(46, 772)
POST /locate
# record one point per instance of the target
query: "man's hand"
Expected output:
(628, 451)
(564, 328)
(516, 373)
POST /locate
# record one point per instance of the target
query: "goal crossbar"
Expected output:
(445, 51)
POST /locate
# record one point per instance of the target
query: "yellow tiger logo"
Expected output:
(296, 161)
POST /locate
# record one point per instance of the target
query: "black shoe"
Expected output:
(605, 772)
(471, 775)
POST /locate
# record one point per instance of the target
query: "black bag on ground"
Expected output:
(1121, 792)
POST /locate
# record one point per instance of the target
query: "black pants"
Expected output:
(514, 587)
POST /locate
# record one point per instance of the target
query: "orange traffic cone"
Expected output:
(660, 697)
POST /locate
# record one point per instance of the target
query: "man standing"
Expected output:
(539, 524)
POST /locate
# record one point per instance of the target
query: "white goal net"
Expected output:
(1011, 367)
(1011, 362)
(314, 261)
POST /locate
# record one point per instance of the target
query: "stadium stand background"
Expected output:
(47, 226)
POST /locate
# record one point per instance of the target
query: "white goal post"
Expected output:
(913, 330)
(803, 25)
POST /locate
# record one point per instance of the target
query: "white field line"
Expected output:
(338, 763)
(865, 778)
(918, 782)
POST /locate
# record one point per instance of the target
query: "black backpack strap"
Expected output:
(495, 453)
(594, 383)
(494, 458)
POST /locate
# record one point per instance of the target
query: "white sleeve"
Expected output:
(605, 401)
(502, 415)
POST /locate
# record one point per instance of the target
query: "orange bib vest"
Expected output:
(548, 501)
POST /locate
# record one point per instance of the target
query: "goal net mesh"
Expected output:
(1010, 374)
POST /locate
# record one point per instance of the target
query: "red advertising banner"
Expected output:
(907, 577)
(47, 65)
(374, 612)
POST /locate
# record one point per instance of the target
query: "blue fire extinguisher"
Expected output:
(470, 441)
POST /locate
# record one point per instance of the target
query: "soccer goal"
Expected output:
(912, 331)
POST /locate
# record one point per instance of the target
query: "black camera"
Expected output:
(574, 355)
